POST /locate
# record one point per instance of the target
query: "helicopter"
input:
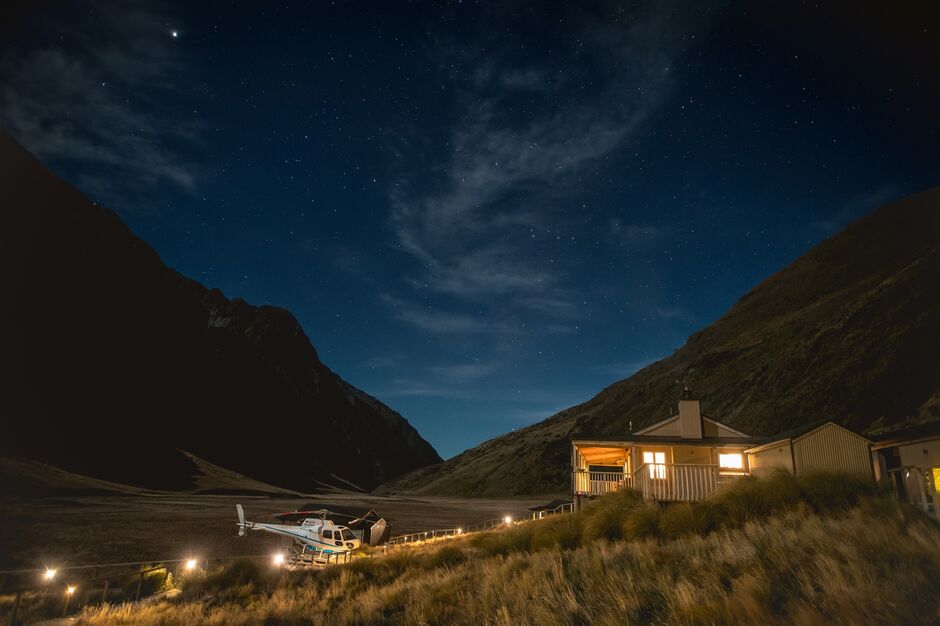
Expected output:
(312, 531)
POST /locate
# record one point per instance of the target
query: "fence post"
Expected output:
(104, 595)
(16, 606)
(140, 583)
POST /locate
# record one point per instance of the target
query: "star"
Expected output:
(174, 34)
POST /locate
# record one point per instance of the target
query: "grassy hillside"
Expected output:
(822, 549)
(848, 332)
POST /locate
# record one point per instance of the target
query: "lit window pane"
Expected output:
(655, 461)
(731, 461)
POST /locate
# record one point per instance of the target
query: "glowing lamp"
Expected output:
(279, 559)
(49, 574)
(70, 589)
(508, 519)
(190, 565)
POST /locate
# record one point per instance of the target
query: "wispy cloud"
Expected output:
(635, 234)
(89, 98)
(476, 234)
(436, 321)
(854, 208)
(464, 371)
(380, 362)
(672, 313)
(625, 369)
(420, 389)
(446, 380)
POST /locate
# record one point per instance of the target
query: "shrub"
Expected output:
(154, 581)
(559, 532)
(604, 518)
(740, 502)
(236, 577)
(686, 518)
(834, 492)
(446, 556)
(500, 542)
(642, 522)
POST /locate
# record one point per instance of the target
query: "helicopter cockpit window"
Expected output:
(328, 534)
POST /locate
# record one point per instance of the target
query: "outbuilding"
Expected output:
(820, 447)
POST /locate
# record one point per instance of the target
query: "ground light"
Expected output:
(278, 559)
(508, 519)
(49, 574)
(69, 591)
(190, 565)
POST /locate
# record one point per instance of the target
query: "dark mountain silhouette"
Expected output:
(110, 362)
(849, 332)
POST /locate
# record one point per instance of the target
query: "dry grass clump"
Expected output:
(761, 552)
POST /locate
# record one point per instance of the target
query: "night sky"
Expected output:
(480, 214)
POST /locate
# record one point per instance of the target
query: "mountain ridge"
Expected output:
(111, 362)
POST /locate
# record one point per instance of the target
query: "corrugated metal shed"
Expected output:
(832, 448)
(825, 447)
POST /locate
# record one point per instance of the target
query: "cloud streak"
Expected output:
(854, 208)
(440, 322)
(476, 235)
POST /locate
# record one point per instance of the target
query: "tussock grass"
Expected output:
(775, 551)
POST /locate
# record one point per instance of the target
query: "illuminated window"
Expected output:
(656, 462)
(731, 461)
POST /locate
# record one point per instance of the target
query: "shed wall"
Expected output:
(765, 461)
(833, 449)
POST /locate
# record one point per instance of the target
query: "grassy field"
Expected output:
(823, 549)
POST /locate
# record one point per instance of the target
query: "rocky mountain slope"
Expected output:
(848, 332)
(111, 363)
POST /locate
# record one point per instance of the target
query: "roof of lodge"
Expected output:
(793, 433)
(630, 437)
(928, 430)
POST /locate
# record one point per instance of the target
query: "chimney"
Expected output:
(690, 419)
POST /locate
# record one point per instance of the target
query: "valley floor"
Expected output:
(101, 529)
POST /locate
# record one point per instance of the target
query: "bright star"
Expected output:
(174, 34)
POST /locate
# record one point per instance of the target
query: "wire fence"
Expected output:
(561, 508)
(446, 533)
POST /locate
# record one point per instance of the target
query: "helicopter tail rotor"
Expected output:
(242, 524)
